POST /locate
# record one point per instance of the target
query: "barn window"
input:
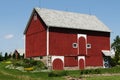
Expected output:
(76, 58)
(88, 45)
(35, 16)
(41, 57)
(74, 45)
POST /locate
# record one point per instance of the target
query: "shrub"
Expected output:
(57, 73)
(90, 71)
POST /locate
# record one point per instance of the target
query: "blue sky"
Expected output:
(14, 15)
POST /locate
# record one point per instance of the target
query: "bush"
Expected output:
(57, 73)
(28, 63)
(90, 71)
(113, 62)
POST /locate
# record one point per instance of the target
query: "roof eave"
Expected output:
(109, 31)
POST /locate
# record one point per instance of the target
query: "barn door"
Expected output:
(82, 46)
(57, 64)
(81, 64)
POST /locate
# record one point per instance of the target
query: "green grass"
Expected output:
(103, 78)
(10, 74)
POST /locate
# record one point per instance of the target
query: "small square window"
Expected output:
(74, 45)
(41, 57)
(76, 58)
(88, 46)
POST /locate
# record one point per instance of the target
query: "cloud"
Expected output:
(8, 36)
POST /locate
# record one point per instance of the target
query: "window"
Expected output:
(35, 16)
(41, 57)
(76, 58)
(88, 45)
(74, 45)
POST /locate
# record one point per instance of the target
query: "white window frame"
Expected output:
(88, 46)
(75, 45)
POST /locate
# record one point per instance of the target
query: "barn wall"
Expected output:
(36, 38)
(98, 41)
(71, 61)
(60, 42)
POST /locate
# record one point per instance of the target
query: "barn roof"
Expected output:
(62, 19)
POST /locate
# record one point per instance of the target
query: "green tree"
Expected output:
(14, 57)
(22, 56)
(116, 46)
(9, 56)
(1, 57)
(6, 56)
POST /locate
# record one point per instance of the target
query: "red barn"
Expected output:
(67, 40)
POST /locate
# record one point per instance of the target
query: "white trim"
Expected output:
(47, 41)
(88, 45)
(81, 35)
(47, 46)
(58, 57)
(106, 52)
(73, 45)
(81, 57)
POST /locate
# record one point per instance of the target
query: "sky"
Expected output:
(14, 15)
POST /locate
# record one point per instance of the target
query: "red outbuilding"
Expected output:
(67, 40)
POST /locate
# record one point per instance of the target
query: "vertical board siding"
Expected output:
(60, 43)
(98, 43)
(71, 61)
(36, 39)
(81, 64)
(82, 46)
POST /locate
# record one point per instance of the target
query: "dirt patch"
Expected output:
(72, 78)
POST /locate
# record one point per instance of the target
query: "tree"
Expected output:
(6, 56)
(1, 57)
(22, 56)
(9, 56)
(116, 46)
(14, 57)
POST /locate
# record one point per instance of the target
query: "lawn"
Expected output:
(98, 74)
(10, 74)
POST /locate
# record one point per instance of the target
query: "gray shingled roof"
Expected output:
(62, 19)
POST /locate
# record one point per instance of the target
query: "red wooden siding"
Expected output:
(82, 46)
(98, 43)
(60, 43)
(71, 61)
(57, 64)
(81, 64)
(36, 38)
